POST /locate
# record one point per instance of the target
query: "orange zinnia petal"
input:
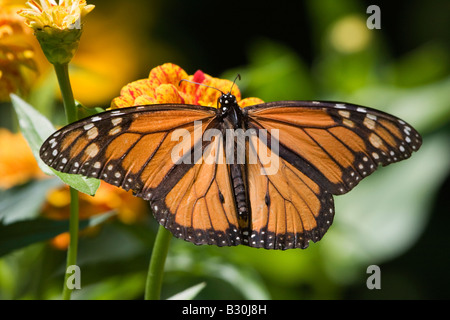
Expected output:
(168, 93)
(250, 102)
(167, 73)
(144, 100)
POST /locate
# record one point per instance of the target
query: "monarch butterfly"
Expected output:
(324, 149)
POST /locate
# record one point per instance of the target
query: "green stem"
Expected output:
(73, 244)
(62, 73)
(157, 262)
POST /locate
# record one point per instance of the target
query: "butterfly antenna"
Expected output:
(234, 82)
(201, 84)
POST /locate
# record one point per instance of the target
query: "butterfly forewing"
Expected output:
(131, 147)
(335, 144)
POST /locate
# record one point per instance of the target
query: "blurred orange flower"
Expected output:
(129, 209)
(17, 55)
(17, 163)
(163, 86)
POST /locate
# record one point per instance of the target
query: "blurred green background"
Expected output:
(284, 50)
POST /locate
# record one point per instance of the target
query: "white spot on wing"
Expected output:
(114, 131)
(92, 133)
(116, 121)
(359, 109)
(88, 126)
(344, 113)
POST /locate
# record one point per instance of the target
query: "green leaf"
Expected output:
(23, 233)
(189, 293)
(79, 182)
(25, 201)
(36, 128)
(84, 112)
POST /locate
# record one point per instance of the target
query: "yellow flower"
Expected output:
(17, 163)
(17, 63)
(163, 86)
(66, 14)
(57, 26)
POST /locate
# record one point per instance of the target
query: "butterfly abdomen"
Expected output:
(241, 198)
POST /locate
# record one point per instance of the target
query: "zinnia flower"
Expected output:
(66, 14)
(163, 86)
(57, 26)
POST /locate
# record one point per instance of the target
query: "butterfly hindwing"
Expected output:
(198, 205)
(288, 208)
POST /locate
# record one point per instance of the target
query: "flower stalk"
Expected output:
(157, 263)
(72, 250)
(62, 73)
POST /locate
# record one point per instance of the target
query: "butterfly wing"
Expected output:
(198, 204)
(133, 147)
(288, 208)
(324, 148)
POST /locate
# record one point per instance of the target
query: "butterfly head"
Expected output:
(227, 100)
